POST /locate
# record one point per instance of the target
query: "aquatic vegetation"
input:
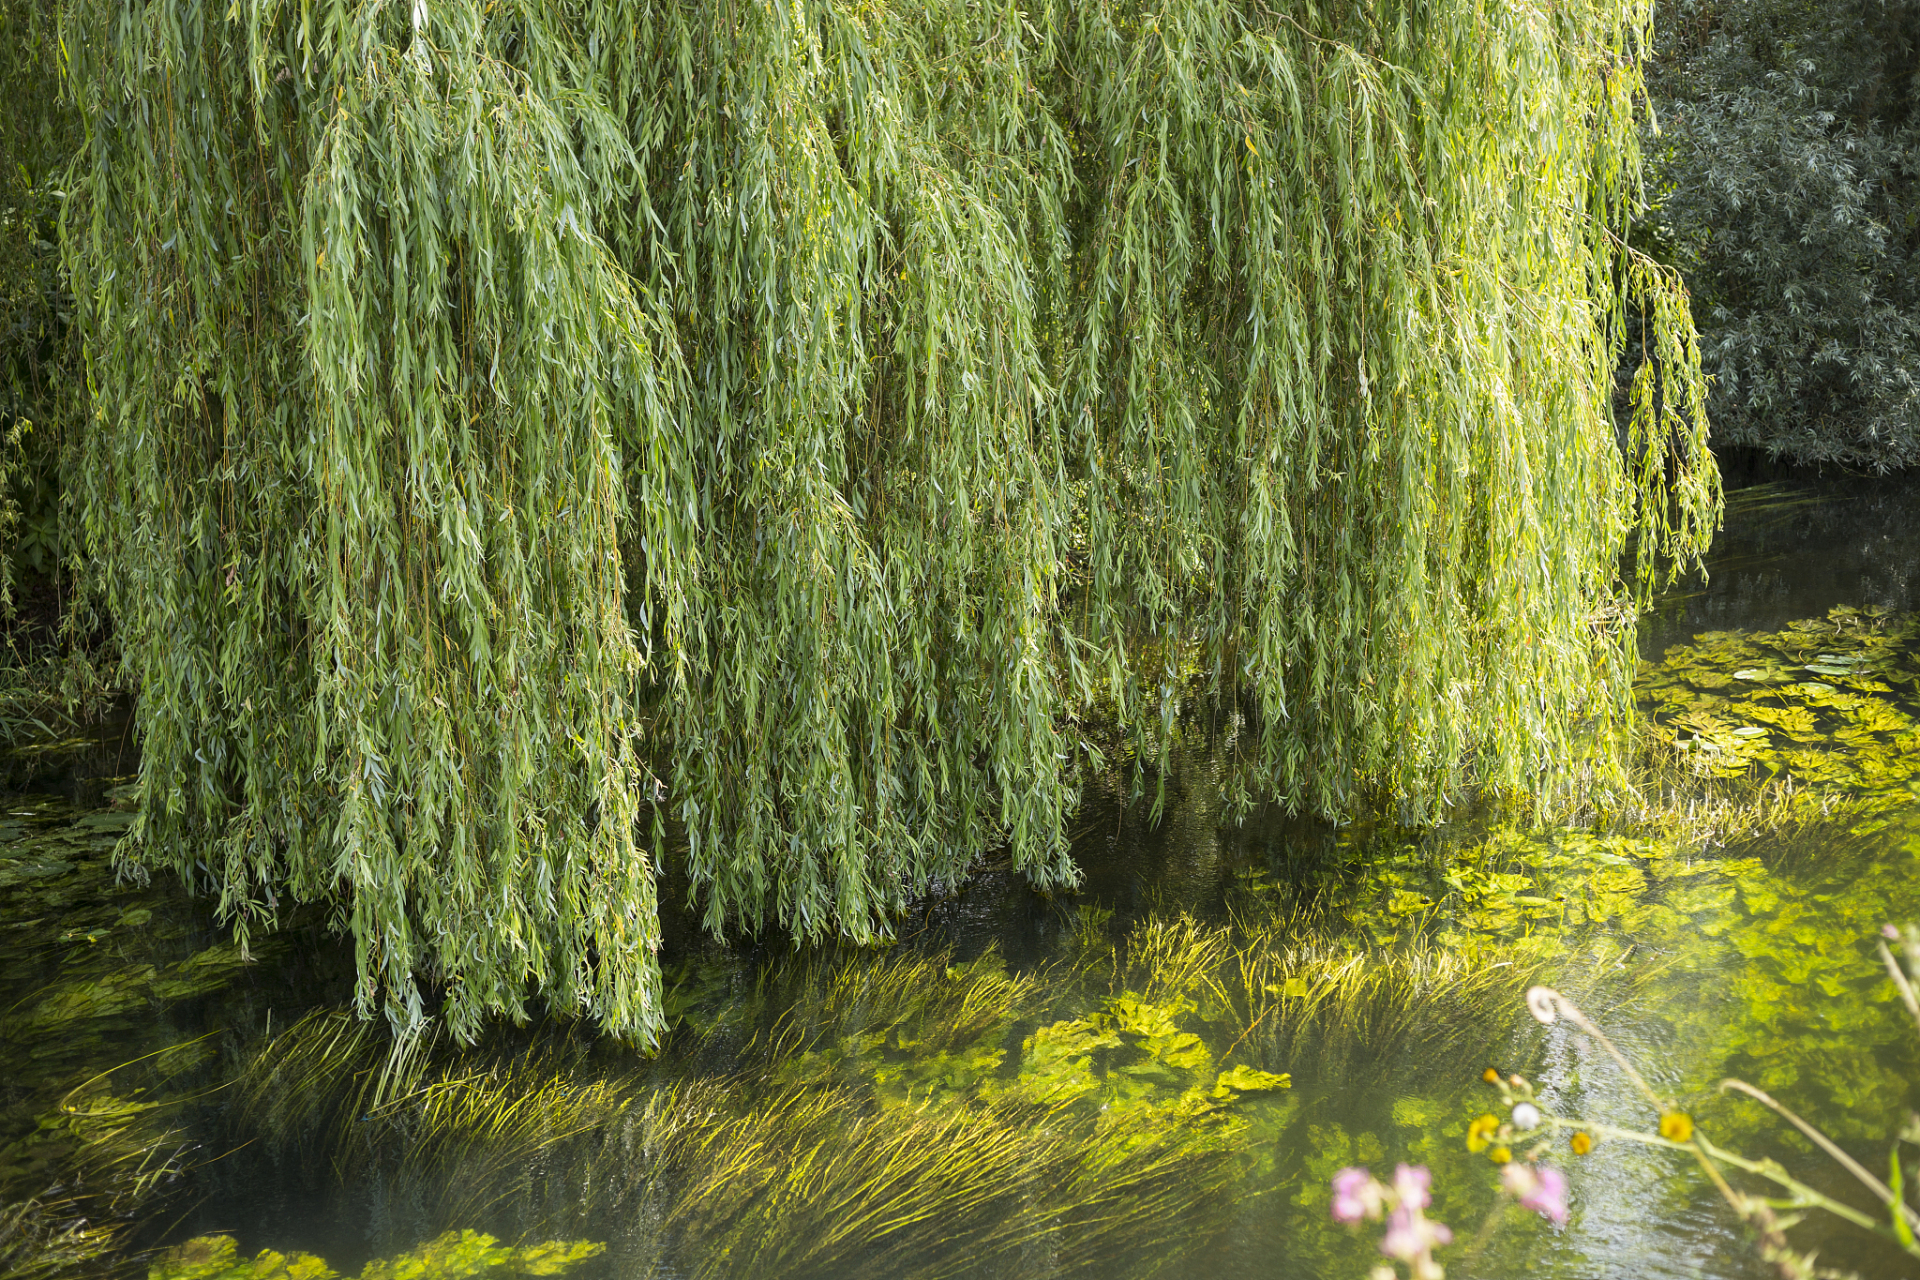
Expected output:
(1829, 702)
(882, 1114)
(89, 961)
(89, 956)
(461, 1129)
(777, 1173)
(1682, 880)
(814, 1183)
(1762, 876)
(74, 1187)
(921, 1007)
(457, 1255)
(1111, 1105)
(1343, 1000)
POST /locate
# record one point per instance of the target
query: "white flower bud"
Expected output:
(1526, 1116)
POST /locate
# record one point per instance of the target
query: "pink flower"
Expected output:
(1411, 1236)
(1410, 1183)
(1355, 1196)
(1541, 1189)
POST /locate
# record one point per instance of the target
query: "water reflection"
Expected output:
(1794, 548)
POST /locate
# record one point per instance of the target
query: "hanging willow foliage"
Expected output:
(521, 426)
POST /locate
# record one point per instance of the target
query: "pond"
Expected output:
(1160, 1073)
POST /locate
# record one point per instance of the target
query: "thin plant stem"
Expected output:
(1900, 981)
(1542, 1001)
(1710, 1154)
(1827, 1145)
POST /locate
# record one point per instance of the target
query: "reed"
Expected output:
(817, 1183)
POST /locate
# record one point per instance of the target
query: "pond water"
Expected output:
(1158, 1074)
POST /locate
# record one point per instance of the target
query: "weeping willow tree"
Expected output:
(523, 430)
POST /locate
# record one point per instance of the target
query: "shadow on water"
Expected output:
(1158, 1073)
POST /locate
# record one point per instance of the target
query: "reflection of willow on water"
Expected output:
(1151, 1093)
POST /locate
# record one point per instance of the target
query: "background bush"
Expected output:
(1785, 179)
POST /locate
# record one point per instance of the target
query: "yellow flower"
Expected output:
(1490, 1076)
(1500, 1155)
(1582, 1143)
(1480, 1133)
(1676, 1126)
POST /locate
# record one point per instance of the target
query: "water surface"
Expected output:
(1088, 1084)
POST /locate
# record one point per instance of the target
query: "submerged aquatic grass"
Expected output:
(820, 1182)
(74, 1188)
(88, 1156)
(772, 1176)
(894, 1114)
(1369, 1005)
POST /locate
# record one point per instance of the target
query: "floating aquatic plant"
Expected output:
(1829, 702)
(457, 1255)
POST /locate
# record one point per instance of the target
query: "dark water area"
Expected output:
(1794, 546)
(1158, 1074)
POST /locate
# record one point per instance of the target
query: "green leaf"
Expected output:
(1902, 1228)
(1242, 1079)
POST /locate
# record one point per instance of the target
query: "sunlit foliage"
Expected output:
(525, 433)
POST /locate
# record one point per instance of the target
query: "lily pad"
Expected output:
(37, 867)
